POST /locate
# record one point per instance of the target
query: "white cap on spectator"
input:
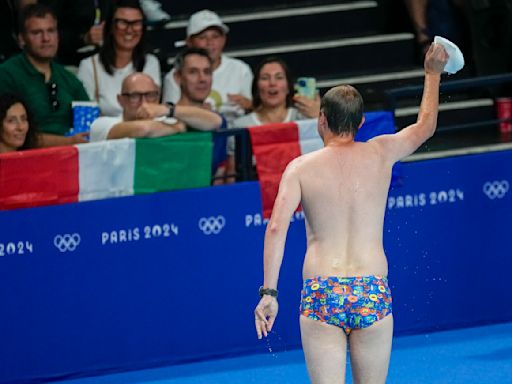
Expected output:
(202, 20)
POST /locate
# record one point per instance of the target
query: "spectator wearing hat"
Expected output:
(232, 78)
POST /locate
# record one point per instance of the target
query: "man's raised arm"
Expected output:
(409, 139)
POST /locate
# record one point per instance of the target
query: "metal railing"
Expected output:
(244, 170)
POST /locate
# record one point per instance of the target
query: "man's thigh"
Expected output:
(370, 350)
(325, 349)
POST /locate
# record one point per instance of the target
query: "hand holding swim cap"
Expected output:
(436, 59)
(455, 57)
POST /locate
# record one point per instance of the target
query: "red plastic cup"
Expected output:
(504, 111)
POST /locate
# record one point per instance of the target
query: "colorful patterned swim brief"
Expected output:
(347, 302)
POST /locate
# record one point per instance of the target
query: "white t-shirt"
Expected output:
(233, 76)
(102, 126)
(251, 119)
(110, 85)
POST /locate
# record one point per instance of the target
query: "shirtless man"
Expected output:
(343, 190)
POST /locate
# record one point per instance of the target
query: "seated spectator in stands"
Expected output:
(231, 88)
(17, 130)
(80, 27)
(143, 116)
(273, 97)
(46, 86)
(274, 101)
(123, 52)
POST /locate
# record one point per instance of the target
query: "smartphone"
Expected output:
(306, 86)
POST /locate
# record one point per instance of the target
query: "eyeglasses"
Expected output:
(136, 97)
(52, 96)
(124, 24)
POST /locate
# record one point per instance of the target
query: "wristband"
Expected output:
(172, 107)
(268, 291)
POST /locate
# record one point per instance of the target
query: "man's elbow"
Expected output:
(213, 123)
(275, 228)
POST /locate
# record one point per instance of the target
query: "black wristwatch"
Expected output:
(268, 291)
(172, 107)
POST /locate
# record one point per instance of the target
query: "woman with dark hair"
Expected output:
(273, 101)
(123, 52)
(17, 130)
(273, 97)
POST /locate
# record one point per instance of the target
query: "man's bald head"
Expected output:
(137, 80)
(137, 88)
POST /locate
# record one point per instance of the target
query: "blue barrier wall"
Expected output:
(170, 277)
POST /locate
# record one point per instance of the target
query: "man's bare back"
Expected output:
(343, 193)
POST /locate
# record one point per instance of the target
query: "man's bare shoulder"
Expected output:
(306, 160)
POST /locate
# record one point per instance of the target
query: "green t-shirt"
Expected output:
(18, 76)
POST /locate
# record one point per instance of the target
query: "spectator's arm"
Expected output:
(144, 128)
(49, 140)
(195, 117)
(241, 100)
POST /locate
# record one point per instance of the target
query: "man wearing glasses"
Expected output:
(47, 87)
(144, 116)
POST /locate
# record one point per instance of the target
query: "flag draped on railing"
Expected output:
(105, 169)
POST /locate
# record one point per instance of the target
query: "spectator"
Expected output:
(17, 130)
(274, 102)
(273, 97)
(44, 84)
(231, 89)
(193, 74)
(140, 101)
(122, 53)
(80, 27)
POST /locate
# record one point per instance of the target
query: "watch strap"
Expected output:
(268, 291)
(172, 108)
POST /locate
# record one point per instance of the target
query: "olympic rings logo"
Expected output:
(212, 225)
(67, 242)
(496, 189)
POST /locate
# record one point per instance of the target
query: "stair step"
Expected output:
(265, 27)
(182, 9)
(452, 113)
(361, 80)
(373, 86)
(449, 106)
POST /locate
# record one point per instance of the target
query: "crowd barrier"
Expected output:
(171, 277)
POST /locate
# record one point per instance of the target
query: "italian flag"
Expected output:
(275, 145)
(104, 169)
